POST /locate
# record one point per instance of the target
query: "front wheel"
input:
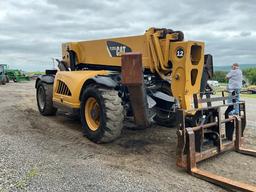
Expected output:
(101, 114)
(44, 95)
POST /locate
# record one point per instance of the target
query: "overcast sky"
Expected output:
(31, 31)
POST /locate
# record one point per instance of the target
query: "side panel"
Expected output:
(68, 85)
(107, 51)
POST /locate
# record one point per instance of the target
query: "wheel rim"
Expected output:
(41, 97)
(92, 113)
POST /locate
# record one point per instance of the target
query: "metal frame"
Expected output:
(188, 157)
(132, 77)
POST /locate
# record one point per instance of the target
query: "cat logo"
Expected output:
(116, 49)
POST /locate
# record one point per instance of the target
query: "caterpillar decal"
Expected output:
(115, 49)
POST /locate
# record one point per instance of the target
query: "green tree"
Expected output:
(220, 76)
(250, 74)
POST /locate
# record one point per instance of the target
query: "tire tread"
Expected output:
(49, 108)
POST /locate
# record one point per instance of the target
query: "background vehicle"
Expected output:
(16, 75)
(3, 77)
(213, 83)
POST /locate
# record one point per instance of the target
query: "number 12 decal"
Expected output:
(180, 53)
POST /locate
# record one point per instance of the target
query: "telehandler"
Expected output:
(155, 77)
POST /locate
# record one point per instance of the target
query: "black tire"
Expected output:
(7, 79)
(111, 115)
(164, 118)
(4, 81)
(44, 93)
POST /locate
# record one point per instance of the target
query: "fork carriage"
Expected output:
(206, 134)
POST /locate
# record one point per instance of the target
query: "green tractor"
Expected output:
(17, 75)
(3, 76)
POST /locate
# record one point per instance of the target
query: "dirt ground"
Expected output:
(50, 153)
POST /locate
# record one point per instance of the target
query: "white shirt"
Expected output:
(235, 77)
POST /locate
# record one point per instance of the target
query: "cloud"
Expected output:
(32, 31)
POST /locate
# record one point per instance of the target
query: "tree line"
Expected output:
(249, 76)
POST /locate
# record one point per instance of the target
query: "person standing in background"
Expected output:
(235, 78)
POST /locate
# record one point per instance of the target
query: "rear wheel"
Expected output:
(101, 114)
(44, 95)
(165, 118)
(7, 79)
(4, 81)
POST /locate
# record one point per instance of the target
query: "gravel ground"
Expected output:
(50, 153)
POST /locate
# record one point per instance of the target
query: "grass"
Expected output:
(242, 95)
(253, 96)
(23, 183)
(35, 73)
(223, 86)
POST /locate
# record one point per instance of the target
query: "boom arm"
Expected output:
(164, 54)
